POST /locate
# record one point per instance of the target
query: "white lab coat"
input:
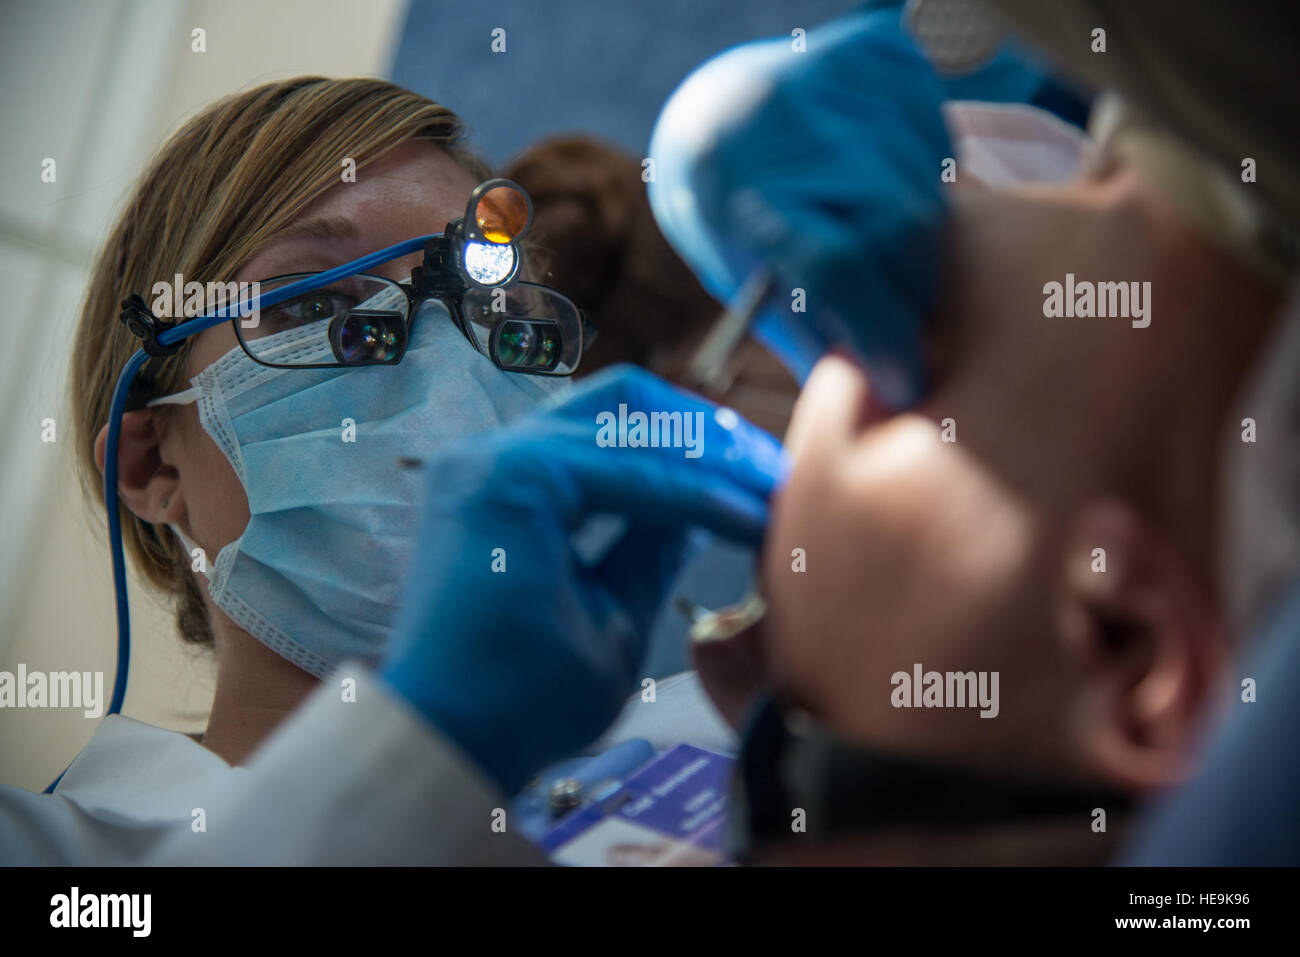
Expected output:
(339, 782)
(364, 782)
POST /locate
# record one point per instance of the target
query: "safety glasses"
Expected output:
(366, 319)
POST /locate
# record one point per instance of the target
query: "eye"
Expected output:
(317, 306)
(307, 308)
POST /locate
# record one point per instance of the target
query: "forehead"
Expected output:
(413, 190)
(419, 180)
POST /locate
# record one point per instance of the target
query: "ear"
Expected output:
(144, 482)
(1145, 637)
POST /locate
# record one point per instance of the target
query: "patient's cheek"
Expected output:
(869, 542)
(801, 624)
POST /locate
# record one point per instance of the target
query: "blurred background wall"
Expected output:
(603, 68)
(97, 85)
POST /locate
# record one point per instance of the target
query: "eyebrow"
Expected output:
(322, 228)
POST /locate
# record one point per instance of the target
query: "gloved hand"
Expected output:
(822, 168)
(524, 666)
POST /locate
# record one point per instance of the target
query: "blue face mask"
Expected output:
(317, 573)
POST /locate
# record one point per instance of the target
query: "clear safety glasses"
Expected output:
(366, 320)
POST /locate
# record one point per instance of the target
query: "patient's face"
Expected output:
(916, 552)
(954, 555)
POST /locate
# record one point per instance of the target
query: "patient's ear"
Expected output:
(1142, 628)
(144, 481)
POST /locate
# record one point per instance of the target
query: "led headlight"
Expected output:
(488, 264)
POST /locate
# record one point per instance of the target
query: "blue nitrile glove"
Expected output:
(525, 666)
(822, 168)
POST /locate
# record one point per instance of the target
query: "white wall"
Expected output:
(97, 85)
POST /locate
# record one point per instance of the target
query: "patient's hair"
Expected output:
(224, 185)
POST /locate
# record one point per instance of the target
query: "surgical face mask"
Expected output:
(317, 573)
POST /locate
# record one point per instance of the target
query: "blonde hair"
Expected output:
(222, 186)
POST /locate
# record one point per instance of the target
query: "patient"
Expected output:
(1070, 436)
